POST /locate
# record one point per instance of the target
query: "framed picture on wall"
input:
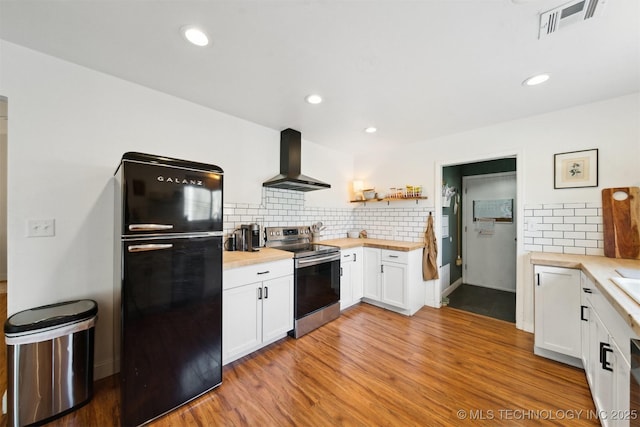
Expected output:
(576, 169)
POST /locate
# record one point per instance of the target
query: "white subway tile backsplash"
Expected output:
(596, 252)
(575, 235)
(564, 242)
(595, 236)
(552, 206)
(553, 234)
(575, 219)
(587, 243)
(542, 241)
(586, 227)
(574, 250)
(563, 212)
(586, 212)
(564, 227)
(555, 227)
(576, 228)
(542, 212)
(552, 220)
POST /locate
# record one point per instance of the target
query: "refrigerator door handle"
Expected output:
(150, 247)
(150, 227)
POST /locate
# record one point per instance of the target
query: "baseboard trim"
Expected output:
(452, 287)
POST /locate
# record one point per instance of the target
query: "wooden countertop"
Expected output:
(241, 259)
(395, 245)
(599, 269)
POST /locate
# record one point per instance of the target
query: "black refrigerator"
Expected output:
(169, 230)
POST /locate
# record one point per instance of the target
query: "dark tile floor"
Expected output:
(486, 301)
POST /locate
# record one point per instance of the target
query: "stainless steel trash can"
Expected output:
(49, 360)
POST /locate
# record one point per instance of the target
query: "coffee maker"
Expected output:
(248, 237)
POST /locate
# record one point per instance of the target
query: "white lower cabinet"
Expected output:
(393, 279)
(599, 341)
(557, 314)
(351, 277)
(606, 353)
(257, 307)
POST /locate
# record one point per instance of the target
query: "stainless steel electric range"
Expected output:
(316, 277)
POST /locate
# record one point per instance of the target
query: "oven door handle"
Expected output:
(308, 262)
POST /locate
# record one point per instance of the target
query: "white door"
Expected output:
(241, 320)
(346, 281)
(277, 307)
(489, 250)
(394, 284)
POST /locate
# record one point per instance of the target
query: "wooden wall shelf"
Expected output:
(388, 200)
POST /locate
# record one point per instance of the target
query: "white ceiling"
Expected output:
(414, 69)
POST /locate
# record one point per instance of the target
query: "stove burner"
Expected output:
(296, 240)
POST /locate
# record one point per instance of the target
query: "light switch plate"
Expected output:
(41, 228)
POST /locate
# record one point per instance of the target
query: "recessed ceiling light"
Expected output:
(195, 36)
(536, 80)
(371, 129)
(313, 99)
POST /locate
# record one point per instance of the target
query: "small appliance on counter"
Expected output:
(246, 238)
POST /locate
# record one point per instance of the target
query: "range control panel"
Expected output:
(288, 234)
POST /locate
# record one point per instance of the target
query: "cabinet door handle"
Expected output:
(582, 307)
(149, 247)
(382, 269)
(263, 272)
(259, 293)
(340, 271)
(266, 292)
(538, 279)
(587, 290)
(604, 349)
(355, 256)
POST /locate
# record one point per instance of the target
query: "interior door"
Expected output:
(489, 251)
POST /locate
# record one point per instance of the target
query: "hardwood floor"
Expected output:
(375, 367)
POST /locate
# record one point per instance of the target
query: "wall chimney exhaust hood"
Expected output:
(290, 177)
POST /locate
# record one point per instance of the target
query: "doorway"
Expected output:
(480, 254)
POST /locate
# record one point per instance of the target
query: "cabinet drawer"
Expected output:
(256, 273)
(346, 256)
(395, 256)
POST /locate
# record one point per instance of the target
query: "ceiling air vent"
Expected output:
(569, 13)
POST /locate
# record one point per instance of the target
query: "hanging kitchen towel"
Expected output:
(430, 253)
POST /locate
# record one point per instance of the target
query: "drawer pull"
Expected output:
(263, 272)
(587, 290)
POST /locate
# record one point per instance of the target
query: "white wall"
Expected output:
(612, 126)
(69, 128)
(3, 193)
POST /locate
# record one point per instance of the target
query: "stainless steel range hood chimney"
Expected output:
(290, 177)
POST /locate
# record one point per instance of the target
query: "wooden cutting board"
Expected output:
(621, 220)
